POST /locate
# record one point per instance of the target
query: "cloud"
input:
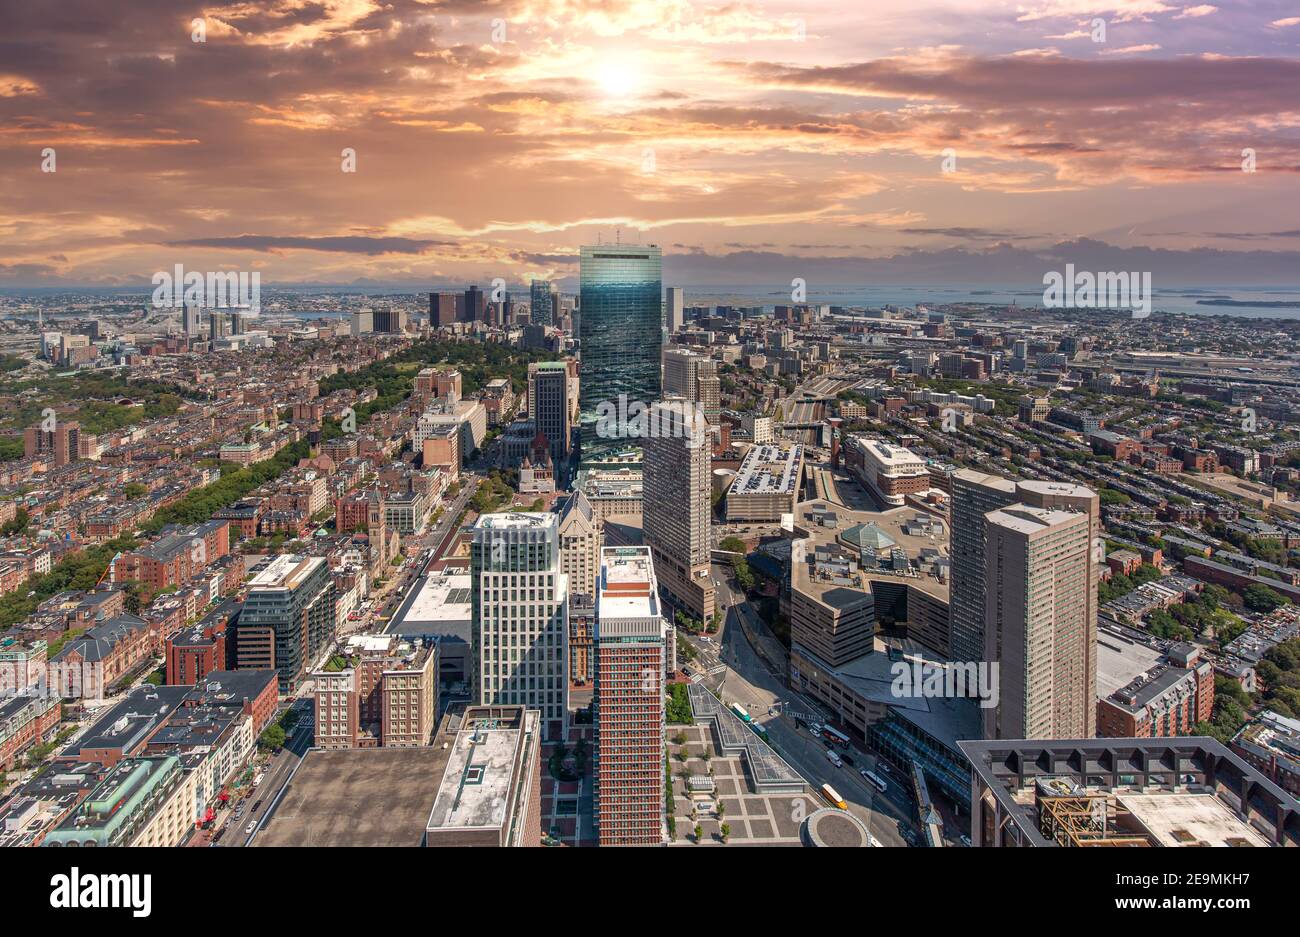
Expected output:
(372, 246)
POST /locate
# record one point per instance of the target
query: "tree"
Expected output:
(1260, 598)
(699, 833)
(725, 830)
(272, 737)
(744, 576)
(732, 545)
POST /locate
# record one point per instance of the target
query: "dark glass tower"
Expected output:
(540, 311)
(620, 295)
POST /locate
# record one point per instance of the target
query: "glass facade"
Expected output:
(620, 303)
(539, 301)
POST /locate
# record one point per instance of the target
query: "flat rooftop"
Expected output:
(285, 572)
(474, 790)
(517, 520)
(1190, 820)
(769, 469)
(356, 797)
(905, 526)
(1119, 660)
(441, 599)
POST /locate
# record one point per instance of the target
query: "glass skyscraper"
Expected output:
(539, 296)
(620, 299)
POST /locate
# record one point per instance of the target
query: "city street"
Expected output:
(750, 681)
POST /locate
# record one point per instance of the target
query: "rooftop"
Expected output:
(356, 797)
(287, 571)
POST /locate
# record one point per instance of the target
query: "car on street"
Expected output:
(252, 825)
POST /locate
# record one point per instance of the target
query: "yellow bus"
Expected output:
(833, 796)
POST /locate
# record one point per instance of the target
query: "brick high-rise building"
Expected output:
(630, 649)
(63, 443)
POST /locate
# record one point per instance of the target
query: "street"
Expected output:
(729, 664)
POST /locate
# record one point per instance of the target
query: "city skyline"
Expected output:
(790, 139)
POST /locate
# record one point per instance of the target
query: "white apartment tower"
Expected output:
(520, 616)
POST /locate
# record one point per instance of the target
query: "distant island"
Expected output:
(1252, 304)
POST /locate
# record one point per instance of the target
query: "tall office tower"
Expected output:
(1035, 623)
(541, 312)
(675, 309)
(548, 405)
(191, 320)
(239, 322)
(580, 541)
(363, 322)
(62, 444)
(475, 305)
(630, 645)
(443, 308)
(288, 617)
(677, 512)
(620, 334)
(974, 494)
(520, 616)
(694, 376)
(218, 325)
(390, 320)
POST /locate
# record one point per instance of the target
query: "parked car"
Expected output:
(248, 830)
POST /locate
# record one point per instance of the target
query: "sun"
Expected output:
(618, 77)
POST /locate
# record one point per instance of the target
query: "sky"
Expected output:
(961, 141)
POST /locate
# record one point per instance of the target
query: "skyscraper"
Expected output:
(443, 309)
(540, 309)
(1036, 623)
(676, 512)
(520, 616)
(694, 376)
(974, 494)
(475, 305)
(620, 296)
(674, 309)
(630, 644)
(191, 320)
(548, 405)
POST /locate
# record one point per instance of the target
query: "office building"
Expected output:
(620, 334)
(580, 542)
(520, 611)
(674, 309)
(630, 647)
(541, 311)
(1123, 792)
(693, 376)
(890, 472)
(475, 305)
(444, 309)
(288, 617)
(677, 508)
(363, 322)
(548, 405)
(490, 789)
(1035, 623)
(390, 320)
